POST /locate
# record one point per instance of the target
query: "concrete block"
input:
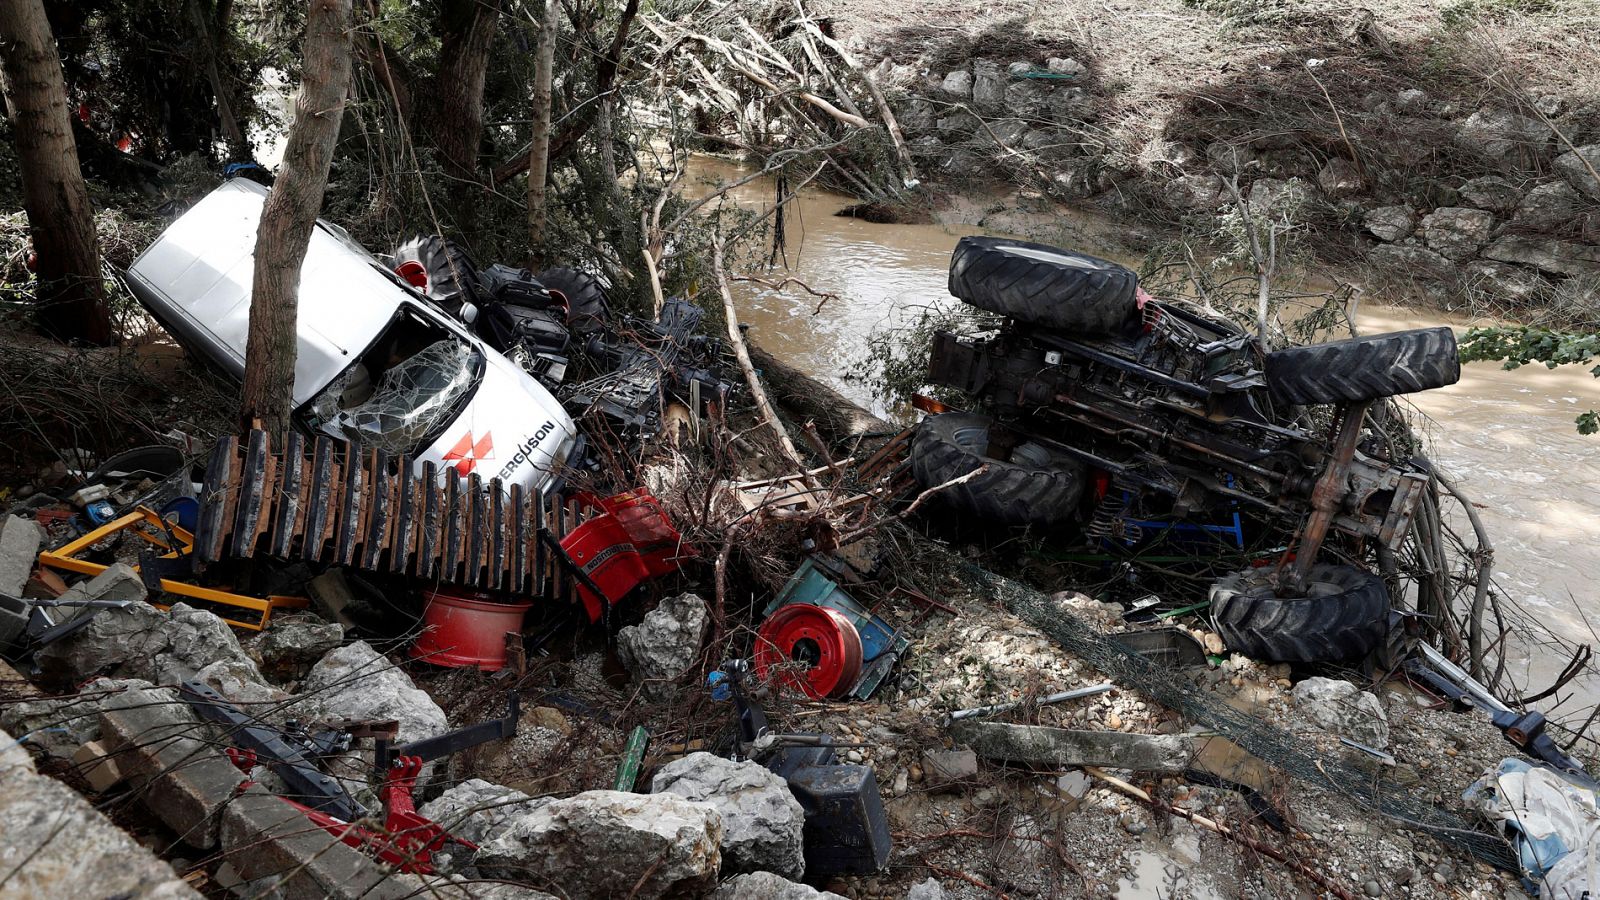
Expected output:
(57, 845)
(166, 752)
(20, 540)
(942, 768)
(264, 837)
(98, 766)
(1067, 747)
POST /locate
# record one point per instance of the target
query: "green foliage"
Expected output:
(896, 363)
(1520, 345)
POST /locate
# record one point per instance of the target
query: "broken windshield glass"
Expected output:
(412, 399)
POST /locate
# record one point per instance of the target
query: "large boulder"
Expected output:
(479, 811)
(1340, 178)
(357, 682)
(1390, 223)
(957, 84)
(1505, 137)
(58, 726)
(294, 642)
(602, 844)
(1552, 207)
(1407, 262)
(1547, 255)
(988, 85)
(768, 886)
(239, 683)
(662, 647)
(761, 820)
(58, 845)
(1514, 283)
(1491, 192)
(1276, 196)
(1344, 709)
(1579, 167)
(140, 641)
(1457, 232)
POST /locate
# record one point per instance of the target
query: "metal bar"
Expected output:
(1330, 489)
(307, 784)
(1061, 697)
(541, 557)
(497, 536)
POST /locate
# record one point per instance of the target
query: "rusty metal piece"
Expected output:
(1327, 495)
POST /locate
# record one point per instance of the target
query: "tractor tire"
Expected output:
(1343, 617)
(587, 307)
(1044, 286)
(452, 279)
(1364, 368)
(1037, 486)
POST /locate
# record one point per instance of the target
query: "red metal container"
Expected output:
(465, 628)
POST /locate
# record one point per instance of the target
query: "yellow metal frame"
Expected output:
(65, 559)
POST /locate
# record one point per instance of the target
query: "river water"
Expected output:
(1507, 437)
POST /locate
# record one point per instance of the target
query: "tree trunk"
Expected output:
(211, 34)
(539, 152)
(291, 213)
(467, 30)
(60, 219)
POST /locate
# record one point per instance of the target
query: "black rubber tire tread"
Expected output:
(1365, 368)
(1009, 493)
(452, 278)
(587, 307)
(1072, 292)
(1252, 619)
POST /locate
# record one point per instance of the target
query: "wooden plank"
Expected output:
(380, 500)
(454, 515)
(428, 527)
(288, 510)
(344, 552)
(212, 524)
(322, 493)
(516, 536)
(251, 494)
(403, 543)
(477, 531)
(497, 536)
(541, 556)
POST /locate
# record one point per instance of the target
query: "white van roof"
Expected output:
(204, 265)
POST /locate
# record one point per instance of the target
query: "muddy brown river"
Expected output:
(1508, 437)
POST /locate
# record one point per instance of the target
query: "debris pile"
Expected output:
(695, 662)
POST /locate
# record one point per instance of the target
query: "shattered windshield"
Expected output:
(409, 402)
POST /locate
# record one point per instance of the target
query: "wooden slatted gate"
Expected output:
(327, 501)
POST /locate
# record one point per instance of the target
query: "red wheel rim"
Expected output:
(413, 273)
(813, 648)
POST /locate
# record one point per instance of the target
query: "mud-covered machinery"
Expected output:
(1100, 405)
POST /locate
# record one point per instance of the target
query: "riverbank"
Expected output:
(1408, 144)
